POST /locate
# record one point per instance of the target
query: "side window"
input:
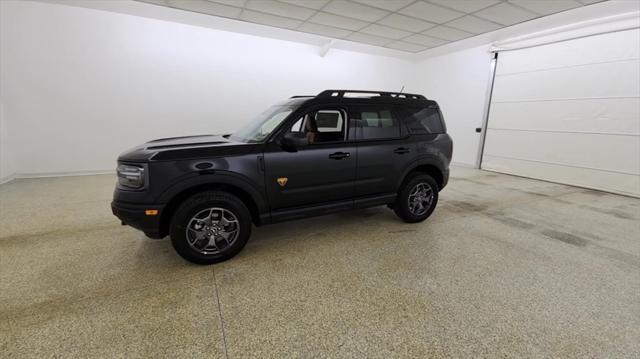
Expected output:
(422, 120)
(321, 126)
(329, 121)
(297, 127)
(377, 123)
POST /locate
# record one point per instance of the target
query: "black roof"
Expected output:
(341, 93)
(365, 96)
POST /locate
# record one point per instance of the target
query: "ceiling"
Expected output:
(405, 25)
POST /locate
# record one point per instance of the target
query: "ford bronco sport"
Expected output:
(305, 156)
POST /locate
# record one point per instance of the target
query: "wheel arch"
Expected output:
(247, 195)
(429, 168)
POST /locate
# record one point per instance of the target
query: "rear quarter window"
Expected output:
(421, 120)
(377, 122)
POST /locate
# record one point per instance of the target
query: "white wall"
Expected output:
(7, 168)
(82, 85)
(458, 81)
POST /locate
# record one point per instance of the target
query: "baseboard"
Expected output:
(7, 179)
(462, 164)
(54, 174)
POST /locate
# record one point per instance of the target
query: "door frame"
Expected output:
(487, 109)
(273, 147)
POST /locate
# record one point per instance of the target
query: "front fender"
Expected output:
(218, 178)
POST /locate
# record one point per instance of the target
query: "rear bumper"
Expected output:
(134, 216)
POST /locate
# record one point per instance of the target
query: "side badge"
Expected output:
(282, 181)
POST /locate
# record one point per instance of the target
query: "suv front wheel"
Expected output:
(210, 227)
(417, 198)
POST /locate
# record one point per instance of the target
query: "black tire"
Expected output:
(199, 203)
(401, 205)
(152, 235)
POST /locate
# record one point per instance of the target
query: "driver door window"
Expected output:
(322, 126)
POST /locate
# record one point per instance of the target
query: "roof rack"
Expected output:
(341, 93)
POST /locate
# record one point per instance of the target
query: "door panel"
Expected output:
(313, 176)
(380, 163)
(380, 160)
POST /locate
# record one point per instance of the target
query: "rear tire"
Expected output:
(210, 227)
(417, 198)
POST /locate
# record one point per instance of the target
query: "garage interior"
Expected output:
(533, 250)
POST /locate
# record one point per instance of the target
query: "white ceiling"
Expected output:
(405, 25)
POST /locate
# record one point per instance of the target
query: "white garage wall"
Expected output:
(7, 169)
(7, 153)
(458, 81)
(82, 85)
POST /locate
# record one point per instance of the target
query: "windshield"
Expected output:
(262, 126)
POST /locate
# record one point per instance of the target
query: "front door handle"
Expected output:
(339, 155)
(402, 150)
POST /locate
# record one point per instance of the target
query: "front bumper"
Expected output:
(445, 178)
(134, 215)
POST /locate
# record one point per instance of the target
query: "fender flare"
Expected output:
(421, 161)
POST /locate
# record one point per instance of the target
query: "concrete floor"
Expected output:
(506, 266)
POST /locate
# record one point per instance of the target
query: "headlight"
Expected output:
(130, 176)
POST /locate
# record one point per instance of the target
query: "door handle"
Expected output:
(339, 155)
(402, 150)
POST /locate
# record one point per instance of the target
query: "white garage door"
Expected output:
(569, 112)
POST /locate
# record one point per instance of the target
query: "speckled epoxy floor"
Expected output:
(506, 266)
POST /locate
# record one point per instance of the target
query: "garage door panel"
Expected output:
(587, 50)
(569, 112)
(606, 181)
(592, 115)
(571, 149)
(619, 79)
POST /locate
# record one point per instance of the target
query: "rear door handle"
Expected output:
(339, 155)
(402, 150)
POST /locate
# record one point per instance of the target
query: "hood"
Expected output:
(198, 140)
(176, 148)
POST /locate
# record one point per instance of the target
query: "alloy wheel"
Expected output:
(212, 230)
(420, 198)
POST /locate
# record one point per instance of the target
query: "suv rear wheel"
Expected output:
(210, 227)
(417, 198)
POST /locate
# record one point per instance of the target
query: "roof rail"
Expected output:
(341, 93)
(298, 96)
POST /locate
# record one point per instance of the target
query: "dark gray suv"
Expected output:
(306, 156)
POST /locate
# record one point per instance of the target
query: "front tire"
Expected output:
(210, 227)
(417, 198)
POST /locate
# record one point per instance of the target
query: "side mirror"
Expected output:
(292, 140)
